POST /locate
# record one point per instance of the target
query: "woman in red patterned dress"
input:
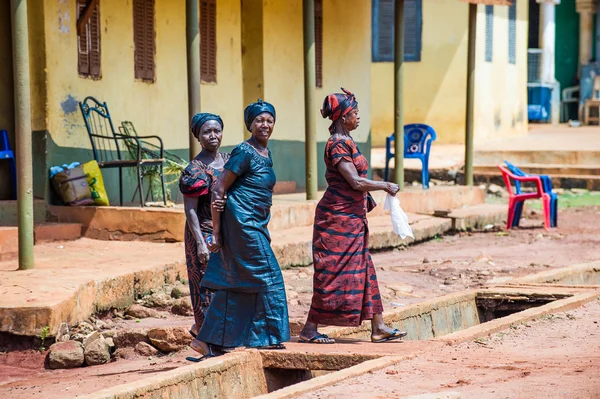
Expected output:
(345, 290)
(196, 184)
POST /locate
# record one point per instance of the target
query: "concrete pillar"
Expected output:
(193, 68)
(548, 45)
(548, 38)
(399, 93)
(586, 10)
(312, 174)
(20, 36)
(469, 117)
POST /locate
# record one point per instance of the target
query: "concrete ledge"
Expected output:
(296, 390)
(118, 291)
(123, 224)
(562, 274)
(313, 361)
(398, 318)
(503, 323)
(48, 232)
(478, 216)
(237, 375)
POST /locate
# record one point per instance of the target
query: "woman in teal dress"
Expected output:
(249, 305)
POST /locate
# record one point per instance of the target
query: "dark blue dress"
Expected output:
(249, 307)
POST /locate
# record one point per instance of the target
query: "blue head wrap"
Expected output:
(200, 119)
(255, 109)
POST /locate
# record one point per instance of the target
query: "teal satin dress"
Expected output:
(249, 307)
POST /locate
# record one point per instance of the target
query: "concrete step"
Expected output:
(288, 212)
(588, 182)
(8, 212)
(554, 170)
(43, 233)
(551, 157)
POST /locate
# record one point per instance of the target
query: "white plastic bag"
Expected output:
(399, 218)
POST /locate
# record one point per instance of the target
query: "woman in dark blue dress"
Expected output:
(249, 306)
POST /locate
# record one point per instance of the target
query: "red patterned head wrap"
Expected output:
(337, 105)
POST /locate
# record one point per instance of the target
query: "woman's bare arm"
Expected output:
(348, 170)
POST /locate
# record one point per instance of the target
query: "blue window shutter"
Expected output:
(383, 30)
(512, 33)
(489, 32)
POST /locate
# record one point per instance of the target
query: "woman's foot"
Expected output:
(318, 338)
(385, 333)
(382, 333)
(201, 347)
(310, 334)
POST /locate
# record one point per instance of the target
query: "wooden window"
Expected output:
(383, 30)
(489, 33)
(319, 42)
(512, 33)
(208, 40)
(534, 24)
(144, 41)
(88, 38)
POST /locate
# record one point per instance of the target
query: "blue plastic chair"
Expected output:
(7, 153)
(547, 186)
(417, 144)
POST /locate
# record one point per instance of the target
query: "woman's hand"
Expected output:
(219, 204)
(214, 243)
(203, 252)
(392, 189)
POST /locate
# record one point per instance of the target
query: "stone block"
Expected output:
(65, 355)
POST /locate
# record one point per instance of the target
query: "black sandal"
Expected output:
(396, 334)
(208, 355)
(271, 347)
(324, 340)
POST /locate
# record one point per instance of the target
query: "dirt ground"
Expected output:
(557, 356)
(446, 264)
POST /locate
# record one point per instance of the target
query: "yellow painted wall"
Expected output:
(226, 96)
(346, 62)
(158, 108)
(252, 51)
(435, 87)
(501, 87)
(282, 65)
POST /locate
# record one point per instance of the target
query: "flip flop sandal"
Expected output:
(199, 359)
(396, 334)
(192, 334)
(315, 340)
(271, 347)
(206, 356)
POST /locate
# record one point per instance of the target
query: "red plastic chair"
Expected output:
(514, 199)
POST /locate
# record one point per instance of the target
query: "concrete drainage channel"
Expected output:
(446, 320)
